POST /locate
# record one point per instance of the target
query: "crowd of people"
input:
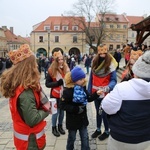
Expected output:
(122, 107)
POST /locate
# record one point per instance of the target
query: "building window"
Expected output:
(124, 36)
(110, 47)
(111, 26)
(118, 46)
(111, 36)
(118, 26)
(56, 39)
(74, 39)
(56, 28)
(124, 26)
(118, 36)
(40, 38)
(65, 28)
(46, 28)
(74, 28)
(107, 19)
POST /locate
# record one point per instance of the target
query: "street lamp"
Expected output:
(48, 42)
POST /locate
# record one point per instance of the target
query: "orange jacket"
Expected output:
(22, 130)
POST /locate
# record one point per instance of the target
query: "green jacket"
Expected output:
(26, 105)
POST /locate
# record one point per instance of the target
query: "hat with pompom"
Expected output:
(141, 68)
(77, 73)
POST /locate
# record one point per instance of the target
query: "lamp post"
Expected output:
(48, 42)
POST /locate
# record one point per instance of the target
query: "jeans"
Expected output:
(84, 139)
(59, 115)
(87, 69)
(101, 117)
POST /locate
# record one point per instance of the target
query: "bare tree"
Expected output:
(93, 25)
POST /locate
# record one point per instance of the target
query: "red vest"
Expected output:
(99, 82)
(22, 130)
(56, 91)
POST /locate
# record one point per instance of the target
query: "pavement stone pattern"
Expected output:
(53, 143)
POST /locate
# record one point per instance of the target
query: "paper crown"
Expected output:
(102, 49)
(20, 54)
(57, 54)
(135, 54)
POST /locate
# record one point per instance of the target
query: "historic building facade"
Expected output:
(58, 32)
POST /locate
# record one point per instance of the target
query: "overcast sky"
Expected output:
(23, 14)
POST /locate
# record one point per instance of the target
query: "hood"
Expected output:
(141, 86)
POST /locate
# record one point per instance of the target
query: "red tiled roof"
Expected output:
(134, 19)
(11, 37)
(113, 17)
(60, 20)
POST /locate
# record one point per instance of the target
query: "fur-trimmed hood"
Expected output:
(68, 81)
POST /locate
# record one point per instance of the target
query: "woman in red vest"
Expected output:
(54, 80)
(29, 105)
(103, 76)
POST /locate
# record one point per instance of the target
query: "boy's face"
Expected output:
(80, 82)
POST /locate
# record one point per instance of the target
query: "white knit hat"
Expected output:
(141, 68)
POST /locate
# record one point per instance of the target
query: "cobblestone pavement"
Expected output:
(53, 143)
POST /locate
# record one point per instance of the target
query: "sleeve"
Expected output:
(112, 101)
(113, 80)
(49, 83)
(28, 110)
(91, 97)
(66, 102)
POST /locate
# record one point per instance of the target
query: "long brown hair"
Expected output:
(24, 74)
(54, 68)
(106, 65)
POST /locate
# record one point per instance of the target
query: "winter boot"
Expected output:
(55, 132)
(60, 129)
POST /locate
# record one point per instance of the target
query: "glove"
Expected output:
(60, 82)
(81, 109)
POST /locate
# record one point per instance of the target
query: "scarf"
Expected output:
(79, 96)
(100, 71)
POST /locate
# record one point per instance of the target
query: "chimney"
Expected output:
(4, 28)
(12, 29)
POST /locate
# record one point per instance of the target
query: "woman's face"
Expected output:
(60, 61)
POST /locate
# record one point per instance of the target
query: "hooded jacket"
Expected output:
(128, 106)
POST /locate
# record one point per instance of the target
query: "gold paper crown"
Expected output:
(135, 54)
(20, 54)
(57, 54)
(102, 49)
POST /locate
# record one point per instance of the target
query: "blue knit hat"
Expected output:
(77, 73)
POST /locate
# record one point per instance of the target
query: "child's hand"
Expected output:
(100, 92)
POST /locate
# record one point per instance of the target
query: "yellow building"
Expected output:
(116, 30)
(58, 32)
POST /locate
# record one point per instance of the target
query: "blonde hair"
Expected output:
(24, 74)
(53, 69)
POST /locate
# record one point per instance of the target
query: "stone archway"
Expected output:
(41, 51)
(74, 51)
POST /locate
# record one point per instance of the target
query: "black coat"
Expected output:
(74, 120)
